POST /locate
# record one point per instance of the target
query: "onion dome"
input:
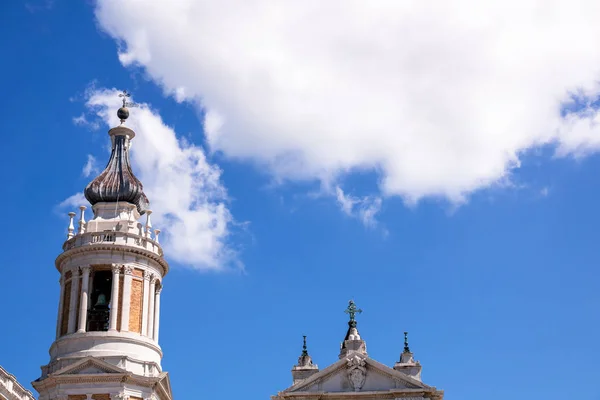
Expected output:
(117, 182)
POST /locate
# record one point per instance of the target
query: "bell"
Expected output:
(101, 300)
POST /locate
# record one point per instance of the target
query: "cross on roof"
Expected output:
(125, 95)
(352, 310)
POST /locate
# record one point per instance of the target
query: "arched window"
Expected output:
(100, 296)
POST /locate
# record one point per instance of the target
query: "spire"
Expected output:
(407, 363)
(117, 182)
(304, 351)
(352, 341)
(406, 357)
(305, 366)
(304, 359)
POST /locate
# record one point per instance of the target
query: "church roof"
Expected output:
(377, 380)
(357, 376)
(117, 181)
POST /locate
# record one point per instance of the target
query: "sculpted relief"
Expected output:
(356, 372)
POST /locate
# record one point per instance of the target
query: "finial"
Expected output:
(406, 349)
(82, 219)
(71, 228)
(156, 233)
(352, 310)
(304, 350)
(123, 112)
(148, 232)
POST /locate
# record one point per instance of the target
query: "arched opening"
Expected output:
(100, 296)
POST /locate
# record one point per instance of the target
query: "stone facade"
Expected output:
(356, 376)
(11, 389)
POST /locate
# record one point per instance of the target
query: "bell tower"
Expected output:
(111, 276)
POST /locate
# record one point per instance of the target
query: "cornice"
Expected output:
(118, 378)
(402, 394)
(107, 336)
(18, 391)
(111, 247)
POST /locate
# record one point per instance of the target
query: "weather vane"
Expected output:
(125, 95)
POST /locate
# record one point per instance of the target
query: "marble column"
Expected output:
(114, 297)
(145, 301)
(125, 301)
(151, 293)
(83, 308)
(156, 312)
(74, 301)
(61, 300)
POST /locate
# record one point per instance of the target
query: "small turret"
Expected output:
(305, 367)
(407, 363)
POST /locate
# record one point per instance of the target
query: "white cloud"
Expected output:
(365, 208)
(82, 120)
(188, 200)
(441, 99)
(74, 202)
(90, 166)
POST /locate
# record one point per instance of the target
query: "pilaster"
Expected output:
(151, 295)
(74, 301)
(156, 313)
(83, 308)
(127, 272)
(145, 301)
(61, 282)
(114, 297)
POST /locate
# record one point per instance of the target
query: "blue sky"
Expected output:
(497, 284)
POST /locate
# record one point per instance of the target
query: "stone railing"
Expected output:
(113, 237)
(11, 388)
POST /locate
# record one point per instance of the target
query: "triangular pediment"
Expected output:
(371, 376)
(164, 385)
(89, 366)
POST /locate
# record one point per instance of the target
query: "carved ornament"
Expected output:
(356, 372)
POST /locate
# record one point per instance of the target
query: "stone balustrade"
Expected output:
(113, 237)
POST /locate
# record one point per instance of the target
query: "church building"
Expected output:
(106, 345)
(356, 375)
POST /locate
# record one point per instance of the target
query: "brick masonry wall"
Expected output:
(101, 396)
(77, 397)
(135, 310)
